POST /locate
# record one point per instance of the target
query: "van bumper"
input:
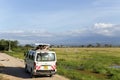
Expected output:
(45, 72)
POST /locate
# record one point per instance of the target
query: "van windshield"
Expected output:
(45, 57)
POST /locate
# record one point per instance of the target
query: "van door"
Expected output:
(46, 61)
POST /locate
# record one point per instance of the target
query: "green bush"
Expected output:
(75, 75)
(116, 76)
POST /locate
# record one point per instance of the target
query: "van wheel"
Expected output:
(26, 69)
(31, 74)
(51, 75)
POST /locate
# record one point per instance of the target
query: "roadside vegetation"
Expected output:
(89, 63)
(96, 63)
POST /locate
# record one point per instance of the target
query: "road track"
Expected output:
(14, 70)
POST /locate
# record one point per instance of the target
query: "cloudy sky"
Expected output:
(60, 21)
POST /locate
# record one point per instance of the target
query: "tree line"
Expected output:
(8, 44)
(14, 44)
(96, 45)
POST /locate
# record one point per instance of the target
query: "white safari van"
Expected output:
(41, 61)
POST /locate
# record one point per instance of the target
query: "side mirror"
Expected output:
(25, 54)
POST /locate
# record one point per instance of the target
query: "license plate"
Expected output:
(46, 67)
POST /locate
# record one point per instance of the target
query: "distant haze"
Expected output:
(70, 22)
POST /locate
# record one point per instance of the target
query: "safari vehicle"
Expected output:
(41, 61)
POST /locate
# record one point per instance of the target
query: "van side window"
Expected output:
(29, 56)
(32, 57)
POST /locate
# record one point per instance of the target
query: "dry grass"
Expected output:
(95, 61)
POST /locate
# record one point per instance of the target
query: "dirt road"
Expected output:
(14, 70)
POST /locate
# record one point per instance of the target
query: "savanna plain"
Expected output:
(84, 63)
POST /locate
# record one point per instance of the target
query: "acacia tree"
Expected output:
(5, 44)
(90, 45)
(98, 45)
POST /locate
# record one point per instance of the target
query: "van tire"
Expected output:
(31, 74)
(51, 75)
(26, 69)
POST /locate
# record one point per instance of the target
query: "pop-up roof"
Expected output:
(42, 46)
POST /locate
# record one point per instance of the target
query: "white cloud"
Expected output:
(103, 25)
(72, 33)
(27, 36)
(107, 3)
(22, 33)
(106, 29)
(12, 32)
